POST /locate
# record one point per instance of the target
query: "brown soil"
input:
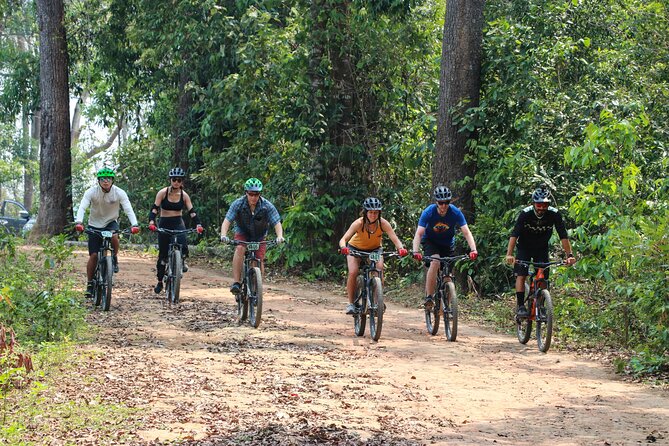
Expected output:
(303, 377)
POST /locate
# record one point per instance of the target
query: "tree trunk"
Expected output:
(55, 211)
(459, 84)
(181, 139)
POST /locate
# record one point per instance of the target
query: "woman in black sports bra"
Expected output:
(169, 205)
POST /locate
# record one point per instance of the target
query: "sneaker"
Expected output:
(90, 290)
(236, 288)
(522, 311)
(428, 303)
(350, 309)
(159, 287)
(185, 267)
(115, 263)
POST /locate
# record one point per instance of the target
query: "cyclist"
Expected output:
(105, 200)
(530, 237)
(436, 233)
(169, 204)
(365, 234)
(252, 216)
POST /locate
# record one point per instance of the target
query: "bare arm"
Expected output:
(357, 224)
(509, 250)
(420, 230)
(469, 237)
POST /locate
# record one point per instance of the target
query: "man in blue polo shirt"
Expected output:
(252, 215)
(436, 233)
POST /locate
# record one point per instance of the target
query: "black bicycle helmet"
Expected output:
(442, 193)
(541, 195)
(372, 204)
(177, 172)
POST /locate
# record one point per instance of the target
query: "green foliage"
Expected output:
(39, 301)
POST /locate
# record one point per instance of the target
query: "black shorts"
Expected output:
(95, 241)
(430, 249)
(534, 255)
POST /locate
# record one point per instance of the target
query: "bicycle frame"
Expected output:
(174, 267)
(445, 299)
(249, 302)
(540, 304)
(104, 268)
(368, 298)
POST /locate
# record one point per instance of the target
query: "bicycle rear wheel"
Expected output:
(544, 321)
(255, 296)
(107, 277)
(376, 308)
(175, 271)
(360, 317)
(450, 312)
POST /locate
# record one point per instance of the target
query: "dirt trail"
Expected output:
(303, 377)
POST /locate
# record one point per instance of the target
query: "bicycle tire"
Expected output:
(243, 304)
(107, 280)
(255, 296)
(376, 308)
(450, 312)
(176, 265)
(432, 316)
(544, 321)
(360, 318)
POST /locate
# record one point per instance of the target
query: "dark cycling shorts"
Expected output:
(260, 253)
(430, 249)
(95, 241)
(535, 255)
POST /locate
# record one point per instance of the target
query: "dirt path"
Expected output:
(303, 377)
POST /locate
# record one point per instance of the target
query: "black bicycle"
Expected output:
(175, 266)
(539, 303)
(103, 277)
(369, 293)
(445, 299)
(249, 301)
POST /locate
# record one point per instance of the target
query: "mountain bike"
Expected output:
(369, 293)
(445, 299)
(174, 269)
(249, 301)
(539, 303)
(103, 277)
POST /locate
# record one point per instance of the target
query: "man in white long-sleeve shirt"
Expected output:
(105, 201)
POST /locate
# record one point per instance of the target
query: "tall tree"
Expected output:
(460, 83)
(55, 158)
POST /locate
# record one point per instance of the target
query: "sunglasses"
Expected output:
(253, 194)
(178, 180)
(442, 203)
(106, 179)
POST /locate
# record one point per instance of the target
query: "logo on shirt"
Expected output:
(440, 227)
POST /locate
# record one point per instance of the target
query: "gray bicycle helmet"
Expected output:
(177, 172)
(372, 204)
(541, 195)
(442, 193)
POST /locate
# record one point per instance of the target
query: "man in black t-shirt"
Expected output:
(530, 237)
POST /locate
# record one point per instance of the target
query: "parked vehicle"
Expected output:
(14, 217)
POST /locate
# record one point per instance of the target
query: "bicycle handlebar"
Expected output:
(99, 232)
(244, 242)
(541, 264)
(355, 253)
(175, 231)
(447, 258)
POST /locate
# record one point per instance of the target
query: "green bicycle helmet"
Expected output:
(253, 185)
(106, 172)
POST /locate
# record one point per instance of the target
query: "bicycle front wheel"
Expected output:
(174, 277)
(243, 304)
(107, 269)
(376, 308)
(450, 312)
(360, 317)
(255, 296)
(544, 320)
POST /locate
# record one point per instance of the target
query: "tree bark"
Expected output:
(55, 211)
(459, 84)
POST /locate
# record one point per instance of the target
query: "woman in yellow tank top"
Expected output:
(365, 234)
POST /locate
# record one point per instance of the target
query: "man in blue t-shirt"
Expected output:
(436, 233)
